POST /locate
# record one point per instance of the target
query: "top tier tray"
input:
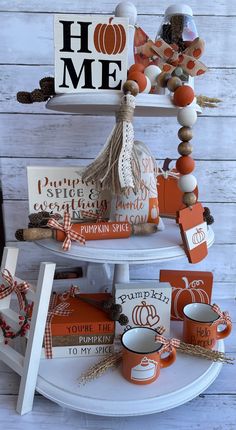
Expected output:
(107, 104)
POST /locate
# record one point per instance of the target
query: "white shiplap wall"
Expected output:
(31, 135)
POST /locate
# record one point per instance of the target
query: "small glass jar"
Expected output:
(178, 26)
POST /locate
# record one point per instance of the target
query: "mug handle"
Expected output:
(227, 330)
(170, 359)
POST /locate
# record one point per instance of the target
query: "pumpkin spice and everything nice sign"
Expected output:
(91, 53)
(146, 304)
(60, 189)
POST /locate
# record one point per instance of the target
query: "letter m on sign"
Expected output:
(90, 53)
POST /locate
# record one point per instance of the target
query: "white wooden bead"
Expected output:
(148, 87)
(152, 72)
(187, 116)
(187, 183)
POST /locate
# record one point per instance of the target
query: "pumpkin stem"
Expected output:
(143, 303)
(110, 19)
(185, 281)
(166, 164)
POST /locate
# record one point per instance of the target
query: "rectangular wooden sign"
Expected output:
(59, 189)
(146, 304)
(91, 53)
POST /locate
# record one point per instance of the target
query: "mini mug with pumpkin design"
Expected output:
(201, 322)
(141, 356)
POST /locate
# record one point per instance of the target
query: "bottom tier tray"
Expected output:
(112, 395)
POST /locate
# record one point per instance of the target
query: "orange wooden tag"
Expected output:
(194, 232)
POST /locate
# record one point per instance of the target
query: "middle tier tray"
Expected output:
(162, 246)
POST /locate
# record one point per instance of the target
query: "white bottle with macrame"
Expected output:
(142, 206)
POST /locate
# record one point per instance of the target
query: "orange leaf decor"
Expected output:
(145, 315)
(109, 38)
(187, 287)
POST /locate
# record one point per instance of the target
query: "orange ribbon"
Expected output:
(224, 316)
(20, 289)
(167, 344)
(171, 58)
(67, 229)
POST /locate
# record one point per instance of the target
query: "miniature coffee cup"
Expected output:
(201, 321)
(141, 355)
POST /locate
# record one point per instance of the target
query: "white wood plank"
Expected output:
(215, 83)
(65, 136)
(220, 177)
(107, 6)
(218, 411)
(39, 29)
(18, 218)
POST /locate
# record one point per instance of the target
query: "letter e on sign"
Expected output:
(91, 53)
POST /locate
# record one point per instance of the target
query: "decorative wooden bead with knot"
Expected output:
(131, 87)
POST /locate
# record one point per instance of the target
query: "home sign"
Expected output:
(90, 53)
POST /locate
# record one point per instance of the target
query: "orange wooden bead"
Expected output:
(136, 68)
(185, 165)
(140, 78)
(183, 96)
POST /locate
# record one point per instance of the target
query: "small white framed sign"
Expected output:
(91, 53)
(146, 304)
(60, 189)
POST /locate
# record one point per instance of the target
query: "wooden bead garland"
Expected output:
(185, 134)
(185, 148)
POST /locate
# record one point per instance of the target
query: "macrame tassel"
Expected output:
(116, 168)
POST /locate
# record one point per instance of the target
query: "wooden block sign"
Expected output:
(60, 189)
(146, 304)
(187, 287)
(194, 232)
(91, 53)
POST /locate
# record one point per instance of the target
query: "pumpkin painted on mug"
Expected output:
(109, 38)
(145, 315)
(199, 236)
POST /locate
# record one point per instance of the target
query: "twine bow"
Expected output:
(13, 286)
(224, 316)
(98, 216)
(67, 229)
(167, 344)
(53, 311)
(167, 173)
(170, 58)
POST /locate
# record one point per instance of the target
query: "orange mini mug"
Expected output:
(201, 321)
(141, 356)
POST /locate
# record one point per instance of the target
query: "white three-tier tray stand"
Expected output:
(58, 379)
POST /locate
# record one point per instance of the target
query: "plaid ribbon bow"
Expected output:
(98, 216)
(171, 58)
(167, 344)
(13, 286)
(224, 316)
(53, 310)
(67, 229)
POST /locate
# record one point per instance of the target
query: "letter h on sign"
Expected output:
(90, 53)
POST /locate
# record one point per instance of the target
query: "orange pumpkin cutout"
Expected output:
(169, 195)
(109, 38)
(187, 287)
(145, 315)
